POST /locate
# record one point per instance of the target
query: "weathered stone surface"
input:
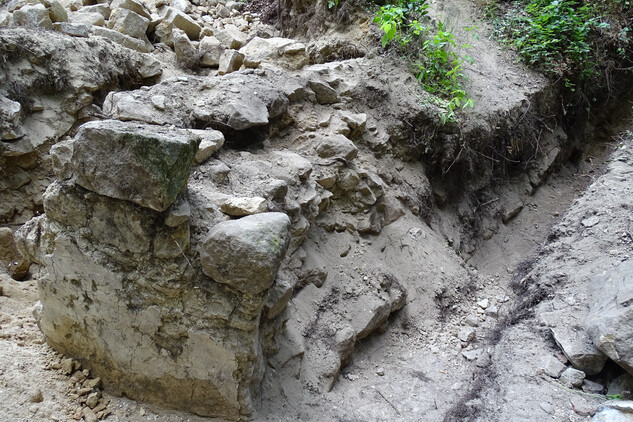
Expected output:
(572, 377)
(552, 366)
(72, 29)
(579, 349)
(10, 111)
(610, 320)
(238, 207)
(230, 61)
(283, 52)
(186, 53)
(56, 11)
(152, 165)
(182, 21)
(133, 5)
(337, 146)
(210, 141)
(33, 15)
(231, 37)
(246, 253)
(87, 18)
(10, 257)
(614, 411)
(325, 94)
(144, 46)
(622, 386)
(210, 50)
(129, 23)
(103, 9)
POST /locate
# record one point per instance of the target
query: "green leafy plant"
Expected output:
(332, 3)
(436, 65)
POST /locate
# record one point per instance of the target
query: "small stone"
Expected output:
(238, 207)
(472, 321)
(36, 396)
(84, 391)
(547, 408)
(230, 61)
(483, 304)
(471, 355)
(90, 416)
(467, 334)
(590, 222)
(93, 383)
(552, 366)
(572, 377)
(492, 311)
(592, 387)
(380, 371)
(67, 366)
(159, 101)
(93, 399)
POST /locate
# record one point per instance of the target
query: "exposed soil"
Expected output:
(468, 345)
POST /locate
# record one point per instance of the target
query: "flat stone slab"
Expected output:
(145, 164)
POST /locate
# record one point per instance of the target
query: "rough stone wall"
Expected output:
(121, 294)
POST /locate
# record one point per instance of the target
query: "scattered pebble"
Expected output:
(380, 371)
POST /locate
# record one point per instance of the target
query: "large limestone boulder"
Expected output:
(247, 253)
(145, 164)
(610, 319)
(33, 15)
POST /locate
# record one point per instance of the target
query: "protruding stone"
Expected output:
(129, 23)
(610, 320)
(246, 253)
(325, 94)
(230, 61)
(33, 15)
(231, 37)
(152, 164)
(186, 53)
(337, 146)
(238, 207)
(572, 377)
(211, 141)
(210, 51)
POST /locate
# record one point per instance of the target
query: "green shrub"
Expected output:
(436, 65)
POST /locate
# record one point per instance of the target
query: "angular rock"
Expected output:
(144, 46)
(129, 23)
(246, 253)
(182, 21)
(572, 377)
(10, 257)
(56, 11)
(325, 94)
(621, 386)
(552, 366)
(211, 141)
(614, 411)
(238, 207)
(610, 320)
(467, 334)
(72, 29)
(102, 9)
(230, 61)
(87, 18)
(186, 53)
(10, 112)
(33, 15)
(210, 51)
(134, 5)
(231, 37)
(581, 352)
(337, 146)
(152, 164)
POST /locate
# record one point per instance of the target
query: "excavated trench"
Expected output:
(413, 269)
